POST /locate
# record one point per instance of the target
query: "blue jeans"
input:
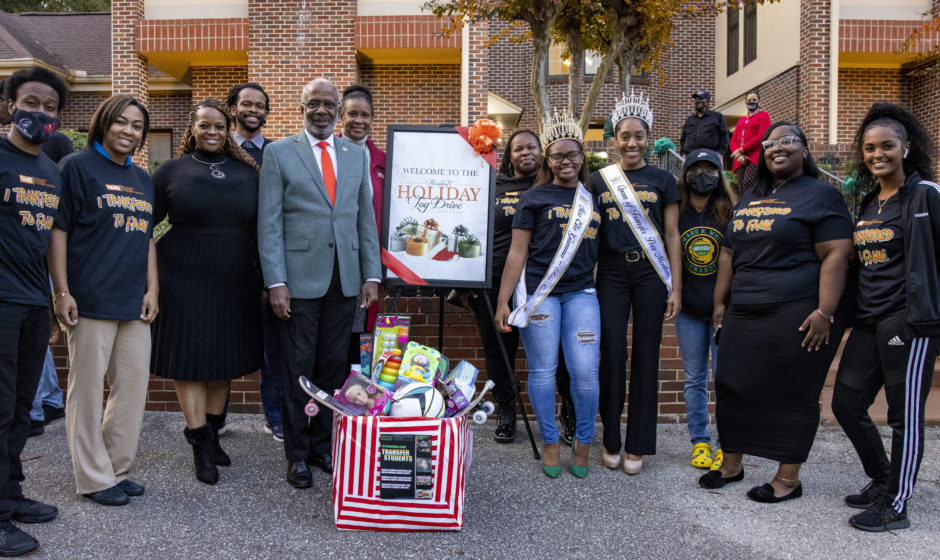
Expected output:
(48, 392)
(574, 321)
(696, 337)
(271, 382)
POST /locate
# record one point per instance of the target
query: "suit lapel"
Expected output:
(305, 152)
(342, 166)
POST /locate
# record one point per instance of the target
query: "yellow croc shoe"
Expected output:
(702, 455)
(718, 460)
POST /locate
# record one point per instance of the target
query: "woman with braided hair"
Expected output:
(209, 328)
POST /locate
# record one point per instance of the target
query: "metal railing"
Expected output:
(671, 161)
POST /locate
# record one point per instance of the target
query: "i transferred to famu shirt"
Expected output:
(29, 202)
(545, 210)
(107, 210)
(655, 188)
(879, 242)
(773, 238)
(508, 190)
(700, 236)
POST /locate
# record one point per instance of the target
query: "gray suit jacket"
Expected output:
(299, 231)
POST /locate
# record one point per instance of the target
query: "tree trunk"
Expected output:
(575, 71)
(540, 46)
(624, 69)
(603, 69)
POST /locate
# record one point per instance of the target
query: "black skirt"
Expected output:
(209, 325)
(767, 386)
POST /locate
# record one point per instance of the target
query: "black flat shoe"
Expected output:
(298, 475)
(713, 479)
(505, 424)
(765, 494)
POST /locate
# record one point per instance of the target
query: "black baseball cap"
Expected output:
(701, 154)
(703, 94)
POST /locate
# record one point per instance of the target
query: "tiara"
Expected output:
(636, 105)
(560, 126)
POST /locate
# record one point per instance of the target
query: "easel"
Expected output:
(516, 388)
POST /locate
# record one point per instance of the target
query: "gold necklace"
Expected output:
(881, 203)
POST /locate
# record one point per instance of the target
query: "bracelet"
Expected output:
(62, 293)
(831, 318)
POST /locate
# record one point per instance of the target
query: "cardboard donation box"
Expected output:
(399, 474)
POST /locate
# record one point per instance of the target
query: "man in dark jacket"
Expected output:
(705, 128)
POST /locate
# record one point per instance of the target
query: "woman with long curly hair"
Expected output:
(209, 328)
(894, 342)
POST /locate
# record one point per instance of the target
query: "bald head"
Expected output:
(320, 106)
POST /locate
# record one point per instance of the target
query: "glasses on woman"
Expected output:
(573, 156)
(697, 172)
(786, 142)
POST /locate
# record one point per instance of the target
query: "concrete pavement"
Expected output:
(512, 510)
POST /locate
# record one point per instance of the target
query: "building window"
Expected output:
(750, 33)
(558, 65)
(732, 41)
(161, 146)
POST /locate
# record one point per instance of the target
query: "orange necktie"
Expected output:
(326, 167)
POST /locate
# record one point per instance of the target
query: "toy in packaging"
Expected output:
(360, 397)
(391, 332)
(386, 371)
(418, 365)
(365, 353)
(460, 387)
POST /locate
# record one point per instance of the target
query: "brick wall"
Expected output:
(299, 40)
(81, 106)
(859, 88)
(169, 111)
(924, 85)
(814, 72)
(779, 96)
(215, 81)
(430, 96)
(129, 69)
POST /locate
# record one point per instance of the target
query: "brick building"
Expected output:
(170, 53)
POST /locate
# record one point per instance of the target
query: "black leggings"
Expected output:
(877, 356)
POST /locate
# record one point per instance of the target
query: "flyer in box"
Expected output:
(405, 467)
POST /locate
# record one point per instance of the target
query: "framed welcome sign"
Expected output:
(438, 213)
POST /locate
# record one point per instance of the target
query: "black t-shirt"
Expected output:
(107, 210)
(57, 147)
(700, 236)
(773, 239)
(545, 210)
(30, 187)
(655, 188)
(879, 241)
(508, 190)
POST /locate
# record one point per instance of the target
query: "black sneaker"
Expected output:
(131, 488)
(15, 541)
(506, 424)
(113, 496)
(51, 413)
(881, 516)
(867, 495)
(30, 511)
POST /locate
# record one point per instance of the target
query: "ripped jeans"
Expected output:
(574, 321)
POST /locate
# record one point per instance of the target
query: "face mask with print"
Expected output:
(752, 105)
(35, 126)
(699, 105)
(703, 185)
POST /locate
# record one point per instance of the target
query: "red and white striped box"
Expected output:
(357, 502)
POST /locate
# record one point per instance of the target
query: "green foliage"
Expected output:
(663, 145)
(595, 161)
(79, 139)
(20, 6)
(160, 229)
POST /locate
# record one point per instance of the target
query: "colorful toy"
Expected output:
(460, 386)
(388, 374)
(417, 399)
(391, 332)
(418, 364)
(365, 353)
(357, 397)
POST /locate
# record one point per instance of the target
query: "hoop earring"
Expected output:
(192, 142)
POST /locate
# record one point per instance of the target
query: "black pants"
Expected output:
(314, 343)
(624, 287)
(24, 336)
(877, 356)
(495, 366)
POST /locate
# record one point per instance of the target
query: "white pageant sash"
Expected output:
(635, 215)
(582, 210)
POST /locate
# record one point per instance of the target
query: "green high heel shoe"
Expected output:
(577, 470)
(552, 471)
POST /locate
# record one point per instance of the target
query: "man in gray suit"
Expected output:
(319, 250)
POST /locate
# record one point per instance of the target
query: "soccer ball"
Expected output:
(417, 399)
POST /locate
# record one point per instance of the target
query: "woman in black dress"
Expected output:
(894, 341)
(209, 328)
(782, 267)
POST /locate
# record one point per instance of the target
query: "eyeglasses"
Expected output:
(786, 142)
(572, 156)
(313, 105)
(695, 172)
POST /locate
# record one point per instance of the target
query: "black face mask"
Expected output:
(699, 105)
(35, 126)
(751, 106)
(703, 185)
